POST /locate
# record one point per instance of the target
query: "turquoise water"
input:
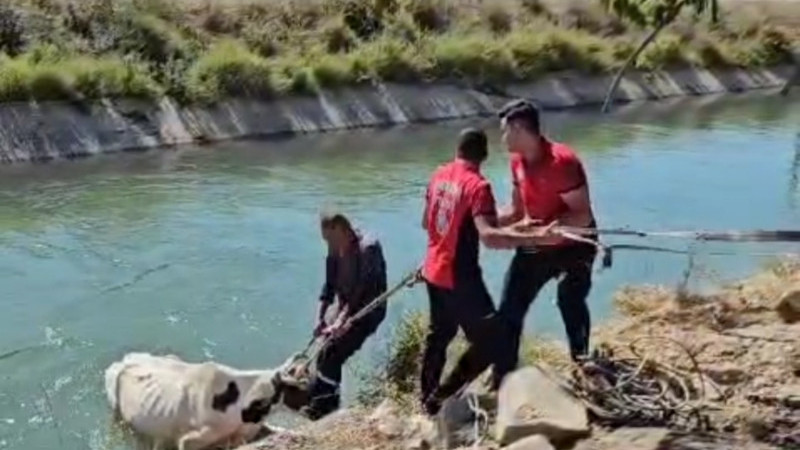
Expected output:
(215, 252)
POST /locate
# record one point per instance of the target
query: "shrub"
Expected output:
(362, 18)
(327, 71)
(498, 18)
(11, 31)
(709, 54)
(73, 78)
(398, 377)
(401, 26)
(14, 77)
(229, 69)
(388, 59)
(536, 53)
(150, 38)
(666, 51)
(772, 47)
(262, 37)
(428, 15)
(337, 36)
(478, 58)
(83, 18)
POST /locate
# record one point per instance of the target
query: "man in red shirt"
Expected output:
(459, 213)
(549, 187)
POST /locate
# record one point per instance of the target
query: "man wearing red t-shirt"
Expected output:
(549, 187)
(459, 213)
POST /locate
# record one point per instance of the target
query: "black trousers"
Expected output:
(526, 276)
(469, 307)
(324, 391)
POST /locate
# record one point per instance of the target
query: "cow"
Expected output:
(196, 406)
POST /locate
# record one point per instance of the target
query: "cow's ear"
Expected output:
(220, 402)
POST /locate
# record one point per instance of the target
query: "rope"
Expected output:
(608, 250)
(308, 355)
(729, 236)
(640, 391)
(480, 415)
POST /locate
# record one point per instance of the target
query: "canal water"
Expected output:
(215, 252)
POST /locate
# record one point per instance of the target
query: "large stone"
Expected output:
(537, 442)
(531, 402)
(388, 420)
(789, 306)
(628, 439)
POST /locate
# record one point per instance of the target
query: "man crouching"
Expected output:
(355, 274)
(194, 406)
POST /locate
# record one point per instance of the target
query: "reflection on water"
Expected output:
(215, 253)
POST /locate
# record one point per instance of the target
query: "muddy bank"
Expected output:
(35, 132)
(737, 350)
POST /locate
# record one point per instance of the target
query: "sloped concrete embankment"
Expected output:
(33, 132)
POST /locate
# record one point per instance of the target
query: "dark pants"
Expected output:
(469, 307)
(324, 391)
(526, 276)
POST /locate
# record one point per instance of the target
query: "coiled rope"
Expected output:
(640, 391)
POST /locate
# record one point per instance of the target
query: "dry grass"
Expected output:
(202, 50)
(735, 335)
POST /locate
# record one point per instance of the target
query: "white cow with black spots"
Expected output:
(195, 406)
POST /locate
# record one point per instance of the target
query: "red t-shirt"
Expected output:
(540, 185)
(456, 193)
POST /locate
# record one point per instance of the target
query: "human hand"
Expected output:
(526, 224)
(545, 235)
(417, 278)
(319, 328)
(338, 329)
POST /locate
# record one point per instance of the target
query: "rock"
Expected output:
(727, 373)
(536, 442)
(385, 409)
(628, 439)
(387, 419)
(530, 402)
(421, 433)
(789, 306)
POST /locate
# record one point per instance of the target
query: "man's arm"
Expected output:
(425, 208)
(503, 238)
(484, 214)
(512, 213)
(579, 208)
(328, 293)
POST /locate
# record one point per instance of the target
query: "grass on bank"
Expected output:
(206, 50)
(397, 378)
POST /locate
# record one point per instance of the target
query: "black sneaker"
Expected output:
(321, 407)
(432, 405)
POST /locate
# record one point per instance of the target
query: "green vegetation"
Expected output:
(203, 51)
(398, 377)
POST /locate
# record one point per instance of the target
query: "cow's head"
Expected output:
(275, 386)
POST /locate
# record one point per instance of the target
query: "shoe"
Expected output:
(432, 405)
(321, 407)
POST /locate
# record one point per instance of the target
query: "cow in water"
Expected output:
(196, 406)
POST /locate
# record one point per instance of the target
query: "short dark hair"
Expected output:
(333, 219)
(473, 145)
(523, 112)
